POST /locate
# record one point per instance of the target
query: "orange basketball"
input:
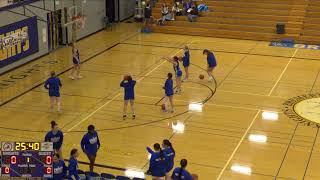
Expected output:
(163, 107)
(201, 76)
(194, 177)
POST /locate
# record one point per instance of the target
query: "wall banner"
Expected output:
(18, 40)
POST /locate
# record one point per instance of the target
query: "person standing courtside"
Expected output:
(90, 145)
(128, 84)
(75, 72)
(212, 63)
(56, 137)
(53, 84)
(148, 15)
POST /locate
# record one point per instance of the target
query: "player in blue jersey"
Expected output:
(169, 155)
(56, 137)
(157, 163)
(75, 72)
(73, 165)
(53, 84)
(168, 88)
(177, 70)
(181, 173)
(59, 168)
(212, 63)
(128, 84)
(90, 145)
(186, 62)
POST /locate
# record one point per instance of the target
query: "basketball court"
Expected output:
(241, 133)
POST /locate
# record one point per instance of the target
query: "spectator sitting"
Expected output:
(187, 6)
(203, 8)
(166, 16)
(193, 13)
(164, 12)
(176, 11)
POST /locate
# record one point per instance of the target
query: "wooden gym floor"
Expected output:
(251, 78)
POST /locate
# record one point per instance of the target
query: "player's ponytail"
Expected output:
(157, 147)
(53, 73)
(129, 78)
(53, 124)
(73, 152)
(176, 58)
(56, 155)
(169, 144)
(161, 155)
(183, 164)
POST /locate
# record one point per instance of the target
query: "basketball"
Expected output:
(194, 176)
(201, 76)
(163, 107)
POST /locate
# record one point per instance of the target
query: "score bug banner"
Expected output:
(18, 40)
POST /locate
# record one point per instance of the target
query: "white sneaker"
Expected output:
(71, 77)
(79, 77)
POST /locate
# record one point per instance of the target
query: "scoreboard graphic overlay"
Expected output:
(26, 159)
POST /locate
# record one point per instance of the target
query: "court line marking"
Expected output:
(238, 145)
(282, 73)
(210, 104)
(114, 97)
(234, 92)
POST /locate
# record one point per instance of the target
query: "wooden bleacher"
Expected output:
(310, 32)
(250, 19)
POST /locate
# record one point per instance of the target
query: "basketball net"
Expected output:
(79, 21)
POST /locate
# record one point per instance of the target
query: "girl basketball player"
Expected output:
(186, 62)
(181, 172)
(56, 137)
(177, 70)
(90, 144)
(157, 163)
(59, 168)
(128, 84)
(168, 88)
(75, 72)
(169, 155)
(53, 84)
(73, 165)
(212, 63)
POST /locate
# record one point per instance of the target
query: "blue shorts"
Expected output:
(128, 97)
(158, 173)
(179, 74)
(169, 93)
(168, 169)
(211, 65)
(186, 64)
(75, 61)
(54, 94)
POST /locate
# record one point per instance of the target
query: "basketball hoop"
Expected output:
(79, 21)
(75, 19)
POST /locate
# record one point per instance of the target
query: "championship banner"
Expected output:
(18, 40)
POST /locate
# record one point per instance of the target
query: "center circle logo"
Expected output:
(304, 109)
